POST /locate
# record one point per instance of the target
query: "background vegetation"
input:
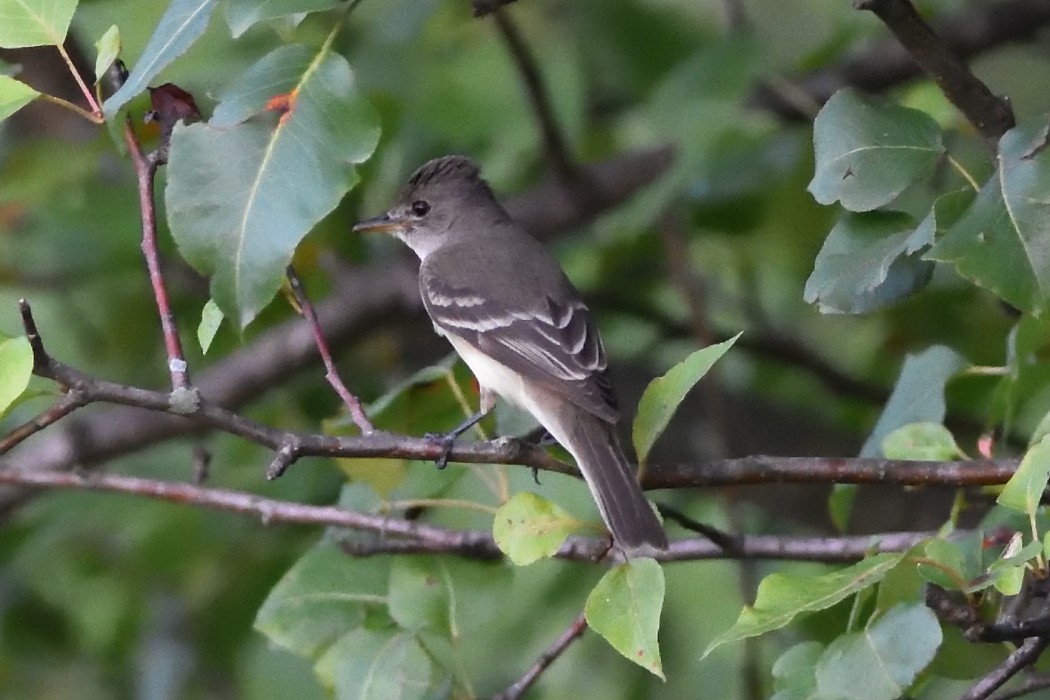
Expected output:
(861, 193)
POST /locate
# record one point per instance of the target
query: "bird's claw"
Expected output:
(445, 441)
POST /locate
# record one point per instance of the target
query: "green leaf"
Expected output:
(14, 95)
(1025, 488)
(918, 395)
(108, 48)
(624, 608)
(869, 261)
(885, 658)
(182, 24)
(661, 398)
(783, 597)
(16, 368)
(211, 319)
(34, 22)
(867, 154)
(323, 596)
(926, 441)
(378, 665)
(793, 672)
(419, 598)
(1003, 241)
(242, 14)
(840, 505)
(240, 199)
(949, 557)
(529, 527)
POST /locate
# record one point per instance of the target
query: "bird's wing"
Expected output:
(549, 340)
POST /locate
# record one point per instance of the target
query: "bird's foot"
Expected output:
(445, 441)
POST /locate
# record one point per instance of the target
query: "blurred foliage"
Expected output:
(109, 596)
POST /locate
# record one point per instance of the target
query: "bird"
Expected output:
(504, 303)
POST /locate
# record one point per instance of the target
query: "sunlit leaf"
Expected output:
(1025, 488)
(867, 153)
(14, 95)
(34, 22)
(182, 24)
(16, 368)
(925, 440)
(211, 319)
(783, 597)
(918, 395)
(108, 48)
(625, 608)
(529, 527)
(663, 395)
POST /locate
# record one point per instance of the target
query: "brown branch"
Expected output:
(521, 686)
(992, 115)
(66, 404)
(145, 175)
(554, 146)
(976, 29)
(484, 7)
(1023, 657)
(306, 309)
(417, 537)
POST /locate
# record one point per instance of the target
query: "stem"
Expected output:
(95, 109)
(964, 172)
(92, 117)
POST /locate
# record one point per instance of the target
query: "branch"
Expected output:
(521, 686)
(417, 537)
(306, 310)
(1021, 658)
(990, 114)
(554, 145)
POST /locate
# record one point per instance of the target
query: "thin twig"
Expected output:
(991, 115)
(1023, 657)
(554, 144)
(306, 309)
(66, 404)
(519, 687)
(145, 174)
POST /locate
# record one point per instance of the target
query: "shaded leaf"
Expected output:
(926, 441)
(418, 597)
(240, 199)
(182, 24)
(378, 665)
(663, 395)
(869, 261)
(16, 368)
(867, 154)
(529, 527)
(947, 568)
(14, 95)
(323, 596)
(884, 659)
(242, 14)
(794, 675)
(34, 22)
(783, 597)
(918, 395)
(624, 608)
(1025, 488)
(1003, 241)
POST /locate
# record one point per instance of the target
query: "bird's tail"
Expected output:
(594, 444)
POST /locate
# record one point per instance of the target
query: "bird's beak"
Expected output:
(380, 224)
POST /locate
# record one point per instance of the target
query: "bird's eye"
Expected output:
(420, 208)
